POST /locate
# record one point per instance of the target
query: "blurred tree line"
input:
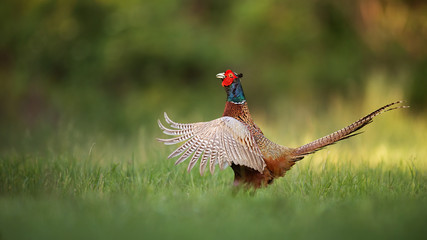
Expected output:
(120, 63)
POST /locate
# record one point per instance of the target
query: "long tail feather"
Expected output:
(341, 134)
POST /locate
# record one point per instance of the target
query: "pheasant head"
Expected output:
(232, 85)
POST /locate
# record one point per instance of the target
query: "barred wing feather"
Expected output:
(222, 141)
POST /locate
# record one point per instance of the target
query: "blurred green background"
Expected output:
(114, 67)
(83, 82)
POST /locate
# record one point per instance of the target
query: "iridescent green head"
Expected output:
(232, 85)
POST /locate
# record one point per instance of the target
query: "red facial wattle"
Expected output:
(229, 78)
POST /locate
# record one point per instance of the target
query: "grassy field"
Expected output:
(82, 84)
(74, 185)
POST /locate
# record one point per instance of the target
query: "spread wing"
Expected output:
(222, 141)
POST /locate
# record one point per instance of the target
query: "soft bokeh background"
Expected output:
(114, 67)
(82, 83)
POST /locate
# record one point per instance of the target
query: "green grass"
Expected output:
(74, 185)
(61, 198)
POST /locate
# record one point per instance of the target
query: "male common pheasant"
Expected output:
(234, 139)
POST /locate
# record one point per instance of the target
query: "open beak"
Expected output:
(220, 75)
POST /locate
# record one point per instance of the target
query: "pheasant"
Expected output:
(235, 140)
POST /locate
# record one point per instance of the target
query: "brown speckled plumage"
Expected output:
(235, 140)
(274, 155)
